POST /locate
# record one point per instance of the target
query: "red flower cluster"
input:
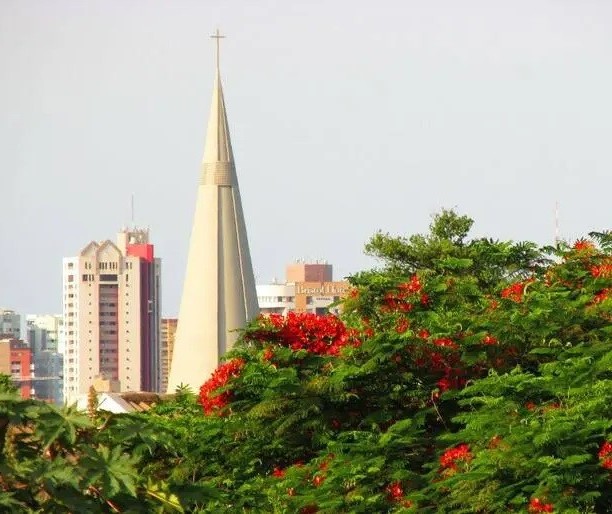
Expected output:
(209, 399)
(395, 491)
(489, 340)
(322, 335)
(605, 455)
(536, 505)
(399, 301)
(603, 270)
(450, 458)
(515, 291)
(445, 342)
(601, 296)
(317, 480)
(402, 325)
(582, 245)
(278, 472)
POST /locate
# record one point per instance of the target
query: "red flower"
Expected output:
(446, 343)
(602, 271)
(318, 480)
(395, 491)
(601, 296)
(489, 339)
(582, 245)
(209, 398)
(605, 455)
(268, 354)
(322, 335)
(278, 472)
(450, 458)
(536, 505)
(412, 286)
(402, 326)
(423, 334)
(514, 292)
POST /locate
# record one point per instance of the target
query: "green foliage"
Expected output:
(470, 375)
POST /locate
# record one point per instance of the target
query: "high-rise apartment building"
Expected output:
(10, 324)
(168, 331)
(112, 304)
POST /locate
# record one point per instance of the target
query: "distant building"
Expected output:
(110, 399)
(10, 324)
(16, 360)
(111, 315)
(309, 287)
(168, 331)
(45, 332)
(45, 335)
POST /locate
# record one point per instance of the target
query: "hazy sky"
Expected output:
(346, 117)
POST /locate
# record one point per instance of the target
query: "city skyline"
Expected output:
(361, 120)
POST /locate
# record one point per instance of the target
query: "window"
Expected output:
(107, 277)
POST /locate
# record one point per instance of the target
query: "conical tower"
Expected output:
(219, 293)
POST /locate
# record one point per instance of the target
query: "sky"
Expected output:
(346, 117)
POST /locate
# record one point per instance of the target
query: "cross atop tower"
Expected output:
(218, 37)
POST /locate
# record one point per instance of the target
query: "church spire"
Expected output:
(219, 294)
(218, 146)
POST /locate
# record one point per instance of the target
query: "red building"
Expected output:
(16, 360)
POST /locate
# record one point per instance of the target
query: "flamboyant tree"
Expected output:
(464, 375)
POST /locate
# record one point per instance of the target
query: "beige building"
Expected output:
(167, 333)
(308, 287)
(219, 294)
(111, 304)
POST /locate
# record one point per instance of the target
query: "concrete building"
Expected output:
(16, 361)
(45, 336)
(219, 290)
(45, 332)
(111, 315)
(308, 287)
(168, 333)
(10, 324)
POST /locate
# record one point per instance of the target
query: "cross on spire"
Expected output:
(218, 37)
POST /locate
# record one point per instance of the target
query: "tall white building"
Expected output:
(111, 315)
(219, 294)
(10, 324)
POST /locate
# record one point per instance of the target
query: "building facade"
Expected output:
(111, 315)
(16, 361)
(309, 287)
(45, 332)
(10, 324)
(167, 333)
